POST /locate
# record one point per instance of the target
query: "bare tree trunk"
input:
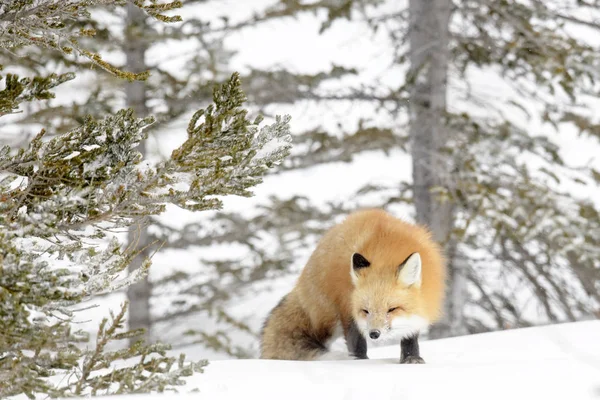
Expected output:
(135, 47)
(429, 57)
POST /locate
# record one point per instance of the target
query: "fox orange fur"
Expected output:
(372, 276)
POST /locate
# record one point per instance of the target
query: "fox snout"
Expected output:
(374, 326)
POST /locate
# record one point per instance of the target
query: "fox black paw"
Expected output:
(412, 360)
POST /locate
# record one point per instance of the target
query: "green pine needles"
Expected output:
(64, 198)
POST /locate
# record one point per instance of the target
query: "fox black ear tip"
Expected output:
(359, 261)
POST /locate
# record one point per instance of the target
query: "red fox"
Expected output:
(372, 276)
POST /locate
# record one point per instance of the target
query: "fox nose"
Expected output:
(374, 334)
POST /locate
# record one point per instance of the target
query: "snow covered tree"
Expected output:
(516, 183)
(179, 83)
(66, 196)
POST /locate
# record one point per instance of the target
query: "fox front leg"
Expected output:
(357, 345)
(409, 351)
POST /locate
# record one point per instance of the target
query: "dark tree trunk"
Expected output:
(429, 57)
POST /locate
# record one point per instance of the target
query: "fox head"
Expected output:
(386, 300)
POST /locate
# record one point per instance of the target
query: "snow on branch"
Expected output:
(64, 198)
(52, 24)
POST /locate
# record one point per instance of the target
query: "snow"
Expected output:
(72, 155)
(550, 362)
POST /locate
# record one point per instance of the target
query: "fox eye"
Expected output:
(365, 311)
(393, 309)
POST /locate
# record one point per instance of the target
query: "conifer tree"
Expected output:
(67, 193)
(511, 229)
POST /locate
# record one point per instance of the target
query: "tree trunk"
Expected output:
(429, 57)
(135, 47)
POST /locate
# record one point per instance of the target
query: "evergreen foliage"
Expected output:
(65, 196)
(171, 93)
(51, 23)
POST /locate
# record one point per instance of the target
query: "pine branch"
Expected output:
(150, 374)
(47, 23)
(64, 197)
(17, 91)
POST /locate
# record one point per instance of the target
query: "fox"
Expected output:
(371, 277)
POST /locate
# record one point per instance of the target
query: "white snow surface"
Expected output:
(551, 362)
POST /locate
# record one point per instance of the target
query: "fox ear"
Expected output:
(409, 272)
(358, 262)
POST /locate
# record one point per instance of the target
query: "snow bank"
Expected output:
(551, 362)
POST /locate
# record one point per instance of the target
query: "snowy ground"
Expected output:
(551, 362)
